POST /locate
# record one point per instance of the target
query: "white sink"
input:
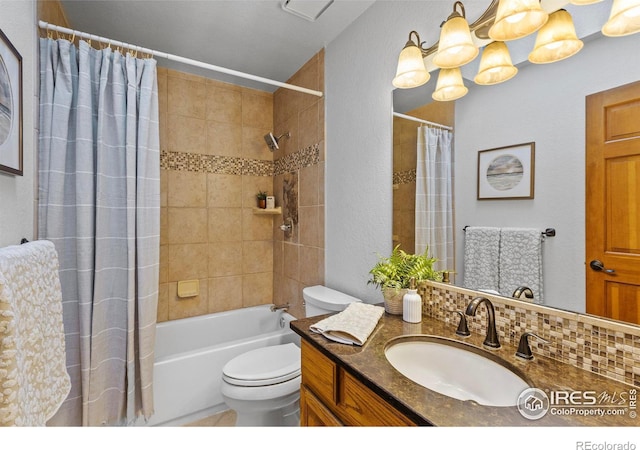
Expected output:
(456, 369)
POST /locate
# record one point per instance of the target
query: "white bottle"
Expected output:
(412, 304)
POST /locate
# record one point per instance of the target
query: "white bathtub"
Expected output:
(190, 354)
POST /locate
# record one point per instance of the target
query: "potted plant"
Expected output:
(393, 275)
(262, 199)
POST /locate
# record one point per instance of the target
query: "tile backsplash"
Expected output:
(605, 347)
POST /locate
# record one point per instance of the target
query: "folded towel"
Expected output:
(521, 261)
(351, 326)
(481, 257)
(33, 373)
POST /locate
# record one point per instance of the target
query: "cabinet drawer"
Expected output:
(361, 406)
(319, 373)
(313, 413)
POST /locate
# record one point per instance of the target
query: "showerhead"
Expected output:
(272, 141)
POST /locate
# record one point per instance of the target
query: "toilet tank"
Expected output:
(323, 300)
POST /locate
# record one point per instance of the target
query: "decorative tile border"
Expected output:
(231, 165)
(305, 157)
(601, 346)
(404, 177)
(196, 162)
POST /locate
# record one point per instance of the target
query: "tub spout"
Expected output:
(283, 307)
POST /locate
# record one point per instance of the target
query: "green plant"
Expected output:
(396, 270)
(261, 195)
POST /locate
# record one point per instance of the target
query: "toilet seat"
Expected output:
(264, 366)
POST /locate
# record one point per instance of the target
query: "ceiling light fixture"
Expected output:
(556, 40)
(503, 20)
(495, 65)
(455, 47)
(516, 19)
(624, 18)
(411, 71)
(450, 85)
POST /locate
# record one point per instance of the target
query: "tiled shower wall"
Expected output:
(213, 163)
(298, 257)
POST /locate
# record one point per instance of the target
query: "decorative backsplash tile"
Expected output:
(231, 165)
(601, 346)
(306, 157)
(404, 177)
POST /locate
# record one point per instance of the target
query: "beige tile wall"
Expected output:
(299, 260)
(214, 161)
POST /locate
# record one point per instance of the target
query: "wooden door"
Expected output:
(613, 203)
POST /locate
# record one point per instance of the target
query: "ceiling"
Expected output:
(257, 37)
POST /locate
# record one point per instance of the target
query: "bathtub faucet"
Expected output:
(284, 307)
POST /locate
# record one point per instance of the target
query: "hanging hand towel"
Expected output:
(33, 372)
(521, 261)
(351, 326)
(481, 256)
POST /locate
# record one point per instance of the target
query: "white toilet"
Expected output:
(263, 385)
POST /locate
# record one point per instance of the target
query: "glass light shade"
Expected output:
(450, 86)
(556, 40)
(411, 71)
(516, 19)
(624, 18)
(495, 65)
(455, 47)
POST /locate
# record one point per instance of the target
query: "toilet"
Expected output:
(263, 385)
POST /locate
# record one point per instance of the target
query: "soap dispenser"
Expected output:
(412, 304)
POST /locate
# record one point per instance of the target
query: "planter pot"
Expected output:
(393, 300)
(262, 203)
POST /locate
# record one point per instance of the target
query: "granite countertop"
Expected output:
(427, 407)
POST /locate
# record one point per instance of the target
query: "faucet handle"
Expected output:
(463, 329)
(524, 350)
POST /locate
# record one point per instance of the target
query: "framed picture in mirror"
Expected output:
(10, 107)
(506, 173)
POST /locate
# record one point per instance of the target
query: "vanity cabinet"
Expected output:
(331, 396)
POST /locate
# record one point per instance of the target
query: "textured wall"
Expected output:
(18, 195)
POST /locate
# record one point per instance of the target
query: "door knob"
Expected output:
(599, 267)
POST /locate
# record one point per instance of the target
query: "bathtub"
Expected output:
(190, 354)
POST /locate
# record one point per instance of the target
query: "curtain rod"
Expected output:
(415, 119)
(180, 59)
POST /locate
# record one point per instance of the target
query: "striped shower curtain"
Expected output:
(99, 203)
(434, 196)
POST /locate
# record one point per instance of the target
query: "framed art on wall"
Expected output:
(506, 172)
(10, 107)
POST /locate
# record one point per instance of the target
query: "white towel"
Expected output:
(351, 326)
(521, 261)
(33, 373)
(481, 257)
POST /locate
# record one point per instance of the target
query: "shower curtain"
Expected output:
(99, 203)
(434, 196)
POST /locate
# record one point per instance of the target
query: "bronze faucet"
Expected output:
(491, 339)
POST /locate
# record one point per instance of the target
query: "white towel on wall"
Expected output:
(33, 372)
(521, 261)
(481, 258)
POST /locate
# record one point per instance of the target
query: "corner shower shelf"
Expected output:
(272, 211)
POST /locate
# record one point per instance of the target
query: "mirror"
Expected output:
(544, 104)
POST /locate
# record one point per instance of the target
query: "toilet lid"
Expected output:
(263, 366)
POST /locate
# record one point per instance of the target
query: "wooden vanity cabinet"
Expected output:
(331, 396)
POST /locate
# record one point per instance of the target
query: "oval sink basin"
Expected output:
(456, 369)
